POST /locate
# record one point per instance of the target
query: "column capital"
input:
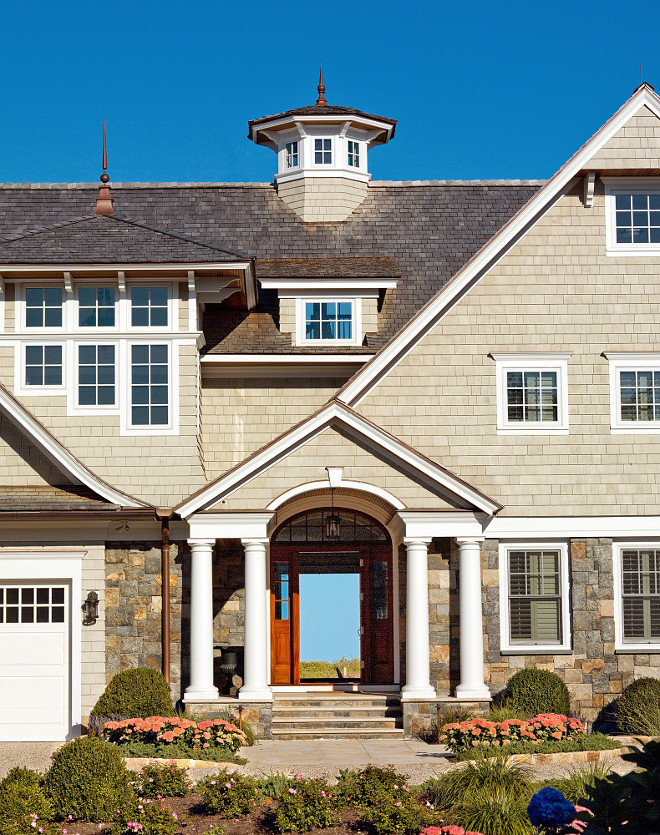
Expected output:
(417, 540)
(470, 540)
(252, 541)
(208, 542)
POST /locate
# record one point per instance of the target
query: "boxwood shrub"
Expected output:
(638, 707)
(21, 796)
(140, 692)
(531, 691)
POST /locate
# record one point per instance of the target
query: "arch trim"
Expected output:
(362, 486)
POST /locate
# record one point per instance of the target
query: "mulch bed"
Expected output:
(196, 822)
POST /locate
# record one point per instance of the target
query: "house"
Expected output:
(449, 388)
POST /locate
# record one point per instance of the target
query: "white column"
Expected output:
(255, 659)
(418, 672)
(471, 619)
(201, 621)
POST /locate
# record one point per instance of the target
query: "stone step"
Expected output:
(338, 733)
(336, 723)
(331, 702)
(347, 711)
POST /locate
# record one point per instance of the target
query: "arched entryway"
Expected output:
(330, 541)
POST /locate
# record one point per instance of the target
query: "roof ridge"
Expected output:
(257, 184)
(408, 183)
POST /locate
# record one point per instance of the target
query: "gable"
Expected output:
(22, 463)
(307, 465)
(635, 146)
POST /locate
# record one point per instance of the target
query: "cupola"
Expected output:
(322, 171)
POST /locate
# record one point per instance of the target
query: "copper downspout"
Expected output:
(165, 514)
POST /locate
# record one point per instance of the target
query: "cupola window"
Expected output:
(291, 154)
(353, 153)
(323, 151)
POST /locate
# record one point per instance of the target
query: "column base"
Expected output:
(264, 694)
(201, 693)
(466, 691)
(410, 691)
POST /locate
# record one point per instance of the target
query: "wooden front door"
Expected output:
(300, 546)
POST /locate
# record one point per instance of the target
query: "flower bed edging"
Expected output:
(140, 762)
(570, 757)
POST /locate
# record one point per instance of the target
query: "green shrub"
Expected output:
(148, 817)
(22, 801)
(305, 805)
(584, 742)
(88, 779)
(229, 795)
(272, 785)
(140, 692)
(638, 707)
(365, 786)
(533, 691)
(179, 750)
(396, 813)
(162, 780)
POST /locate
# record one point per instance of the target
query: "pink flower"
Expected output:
(292, 791)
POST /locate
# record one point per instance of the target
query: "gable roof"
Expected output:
(478, 266)
(333, 414)
(104, 239)
(328, 268)
(58, 454)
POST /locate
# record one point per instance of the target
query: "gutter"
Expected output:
(164, 514)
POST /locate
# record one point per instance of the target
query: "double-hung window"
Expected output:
(96, 307)
(96, 375)
(632, 211)
(149, 307)
(637, 596)
(534, 597)
(291, 154)
(532, 393)
(353, 154)
(150, 385)
(329, 321)
(43, 307)
(43, 366)
(634, 392)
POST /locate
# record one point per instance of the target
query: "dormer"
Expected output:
(322, 171)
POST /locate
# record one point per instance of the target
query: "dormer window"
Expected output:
(323, 151)
(353, 153)
(329, 321)
(291, 154)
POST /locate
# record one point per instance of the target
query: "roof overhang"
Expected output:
(382, 131)
(290, 365)
(326, 283)
(336, 415)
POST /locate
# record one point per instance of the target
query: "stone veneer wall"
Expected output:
(228, 599)
(133, 584)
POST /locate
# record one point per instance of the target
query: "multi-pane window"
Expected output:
(96, 307)
(637, 219)
(281, 591)
(148, 307)
(96, 375)
(353, 153)
(149, 385)
(640, 594)
(43, 307)
(535, 596)
(531, 396)
(32, 604)
(323, 151)
(291, 154)
(329, 320)
(639, 395)
(43, 365)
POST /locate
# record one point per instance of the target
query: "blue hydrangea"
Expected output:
(550, 809)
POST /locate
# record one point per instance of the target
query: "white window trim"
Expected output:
(532, 362)
(172, 428)
(629, 362)
(172, 308)
(301, 330)
(619, 645)
(72, 392)
(625, 185)
(20, 386)
(333, 150)
(20, 309)
(506, 647)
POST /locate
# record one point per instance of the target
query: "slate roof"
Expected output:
(36, 499)
(328, 268)
(430, 228)
(107, 239)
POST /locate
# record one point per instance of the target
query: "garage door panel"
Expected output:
(27, 649)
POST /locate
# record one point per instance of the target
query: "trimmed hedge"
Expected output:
(532, 691)
(140, 692)
(638, 707)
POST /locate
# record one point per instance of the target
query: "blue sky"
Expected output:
(481, 89)
(329, 616)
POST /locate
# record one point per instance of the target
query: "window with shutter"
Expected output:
(640, 595)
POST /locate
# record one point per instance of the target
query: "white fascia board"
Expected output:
(211, 526)
(319, 285)
(284, 359)
(358, 388)
(331, 414)
(425, 524)
(305, 120)
(126, 268)
(59, 455)
(562, 527)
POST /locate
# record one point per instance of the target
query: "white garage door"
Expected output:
(35, 701)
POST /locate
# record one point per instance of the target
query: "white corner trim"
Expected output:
(362, 486)
(65, 461)
(619, 644)
(335, 414)
(541, 649)
(389, 356)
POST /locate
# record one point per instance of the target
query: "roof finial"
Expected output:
(104, 200)
(321, 102)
